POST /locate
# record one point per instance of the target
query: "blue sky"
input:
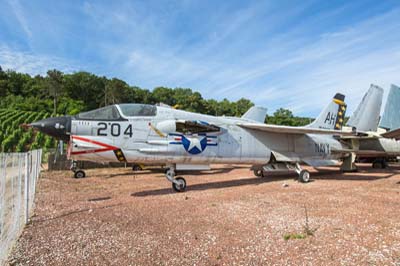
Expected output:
(292, 54)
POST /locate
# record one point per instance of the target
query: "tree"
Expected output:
(285, 117)
(242, 105)
(116, 91)
(55, 84)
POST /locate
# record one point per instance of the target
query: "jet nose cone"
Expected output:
(57, 127)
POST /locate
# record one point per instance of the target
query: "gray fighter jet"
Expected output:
(157, 134)
(378, 140)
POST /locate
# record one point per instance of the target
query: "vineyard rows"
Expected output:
(14, 138)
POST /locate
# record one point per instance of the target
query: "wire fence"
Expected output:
(18, 176)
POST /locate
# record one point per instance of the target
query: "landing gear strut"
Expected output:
(178, 183)
(78, 173)
(304, 175)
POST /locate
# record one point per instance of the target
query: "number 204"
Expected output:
(115, 130)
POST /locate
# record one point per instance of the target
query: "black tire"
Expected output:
(304, 176)
(80, 174)
(377, 165)
(136, 167)
(179, 187)
(258, 173)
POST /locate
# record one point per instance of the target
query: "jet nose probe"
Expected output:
(57, 127)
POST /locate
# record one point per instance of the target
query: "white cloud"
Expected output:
(20, 16)
(291, 69)
(272, 54)
(33, 64)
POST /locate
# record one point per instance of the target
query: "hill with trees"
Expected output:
(25, 98)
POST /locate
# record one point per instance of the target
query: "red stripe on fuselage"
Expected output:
(106, 146)
(89, 151)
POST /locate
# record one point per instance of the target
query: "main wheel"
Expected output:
(181, 186)
(377, 164)
(304, 176)
(258, 173)
(79, 174)
(136, 167)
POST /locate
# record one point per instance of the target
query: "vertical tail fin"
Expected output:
(366, 116)
(256, 113)
(332, 117)
(390, 117)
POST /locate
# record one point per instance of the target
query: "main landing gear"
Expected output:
(78, 173)
(260, 171)
(178, 182)
(380, 163)
(304, 175)
(137, 167)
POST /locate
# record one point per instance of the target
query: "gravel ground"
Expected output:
(227, 217)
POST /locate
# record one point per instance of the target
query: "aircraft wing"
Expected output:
(184, 126)
(293, 130)
(393, 134)
(195, 126)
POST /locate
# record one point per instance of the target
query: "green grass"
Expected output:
(294, 236)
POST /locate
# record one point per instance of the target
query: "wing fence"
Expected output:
(18, 176)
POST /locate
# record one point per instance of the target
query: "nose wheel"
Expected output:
(78, 173)
(178, 183)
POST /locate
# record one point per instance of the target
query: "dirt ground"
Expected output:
(226, 217)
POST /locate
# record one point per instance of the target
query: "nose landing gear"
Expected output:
(78, 173)
(178, 183)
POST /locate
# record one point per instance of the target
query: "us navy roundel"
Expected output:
(194, 145)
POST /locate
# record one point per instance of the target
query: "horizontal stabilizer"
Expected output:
(293, 130)
(256, 113)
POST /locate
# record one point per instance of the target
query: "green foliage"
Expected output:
(285, 117)
(14, 138)
(24, 99)
(82, 91)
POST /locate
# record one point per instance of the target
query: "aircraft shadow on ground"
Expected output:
(363, 173)
(331, 174)
(66, 214)
(208, 186)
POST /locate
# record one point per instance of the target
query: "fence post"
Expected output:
(26, 187)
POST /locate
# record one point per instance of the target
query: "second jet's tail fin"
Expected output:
(256, 113)
(366, 116)
(332, 117)
(391, 115)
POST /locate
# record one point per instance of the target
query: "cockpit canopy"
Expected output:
(134, 109)
(111, 113)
